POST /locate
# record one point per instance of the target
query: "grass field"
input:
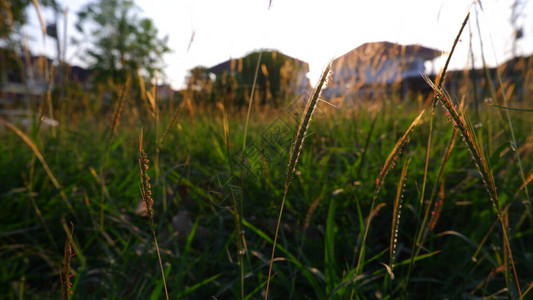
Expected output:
(385, 200)
(216, 206)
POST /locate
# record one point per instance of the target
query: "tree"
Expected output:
(280, 79)
(12, 16)
(122, 44)
(199, 84)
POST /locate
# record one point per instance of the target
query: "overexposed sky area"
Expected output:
(311, 30)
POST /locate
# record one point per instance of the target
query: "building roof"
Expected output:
(388, 48)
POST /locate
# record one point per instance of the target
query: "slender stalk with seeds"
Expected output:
(295, 155)
(67, 272)
(440, 82)
(486, 175)
(172, 123)
(397, 211)
(395, 226)
(389, 164)
(146, 193)
(446, 156)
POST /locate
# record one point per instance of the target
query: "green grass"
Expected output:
(323, 224)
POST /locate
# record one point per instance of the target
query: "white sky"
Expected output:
(310, 30)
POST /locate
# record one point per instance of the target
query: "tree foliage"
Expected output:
(199, 84)
(12, 16)
(120, 43)
(280, 79)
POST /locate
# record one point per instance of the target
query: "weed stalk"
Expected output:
(146, 193)
(440, 82)
(294, 156)
(486, 175)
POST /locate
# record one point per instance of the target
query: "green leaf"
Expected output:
(329, 251)
(512, 108)
(156, 294)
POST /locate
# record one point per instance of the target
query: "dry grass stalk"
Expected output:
(40, 15)
(310, 211)
(296, 150)
(225, 124)
(477, 155)
(469, 139)
(120, 107)
(141, 85)
(393, 157)
(172, 123)
(152, 98)
(37, 153)
(528, 180)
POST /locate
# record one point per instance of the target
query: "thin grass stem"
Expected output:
(440, 82)
(389, 164)
(294, 156)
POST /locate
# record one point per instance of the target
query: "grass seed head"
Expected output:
(67, 273)
(146, 187)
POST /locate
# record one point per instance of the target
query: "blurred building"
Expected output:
(22, 76)
(379, 69)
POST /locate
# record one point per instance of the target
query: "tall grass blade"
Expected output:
(512, 108)
(251, 100)
(308, 272)
(26, 139)
(329, 248)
